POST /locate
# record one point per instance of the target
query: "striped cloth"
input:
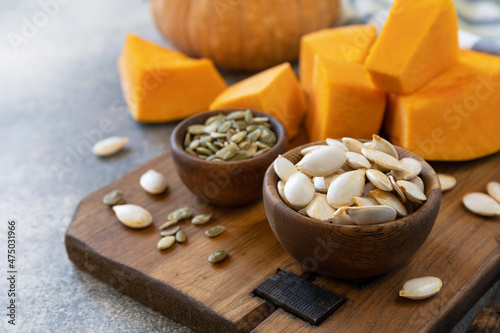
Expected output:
(479, 20)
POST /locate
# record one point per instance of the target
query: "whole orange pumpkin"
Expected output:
(242, 34)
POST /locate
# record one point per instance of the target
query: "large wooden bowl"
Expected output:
(224, 183)
(346, 251)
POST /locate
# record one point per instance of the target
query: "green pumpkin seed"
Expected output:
(242, 155)
(215, 231)
(240, 124)
(251, 128)
(166, 242)
(262, 145)
(217, 256)
(218, 144)
(205, 139)
(170, 232)
(196, 129)
(251, 150)
(168, 224)
(230, 133)
(191, 152)
(236, 115)
(260, 119)
(227, 152)
(194, 144)
(113, 198)
(212, 147)
(187, 139)
(213, 119)
(224, 127)
(204, 151)
(180, 236)
(216, 135)
(238, 137)
(203, 157)
(201, 219)
(244, 144)
(254, 135)
(248, 116)
(262, 151)
(268, 137)
(180, 214)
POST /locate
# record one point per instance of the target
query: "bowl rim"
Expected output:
(176, 138)
(432, 194)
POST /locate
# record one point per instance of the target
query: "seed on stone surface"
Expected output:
(217, 256)
(195, 129)
(412, 191)
(379, 179)
(168, 224)
(421, 288)
(153, 182)
(447, 181)
(166, 242)
(284, 168)
(299, 190)
(345, 187)
(133, 216)
(480, 204)
(113, 198)
(180, 214)
(215, 231)
(109, 146)
(201, 219)
(322, 162)
(170, 231)
(493, 189)
(180, 236)
(383, 145)
(389, 199)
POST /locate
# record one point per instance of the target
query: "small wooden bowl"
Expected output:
(224, 183)
(348, 251)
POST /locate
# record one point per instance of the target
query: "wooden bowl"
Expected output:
(224, 183)
(348, 251)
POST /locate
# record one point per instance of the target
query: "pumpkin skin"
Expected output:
(245, 35)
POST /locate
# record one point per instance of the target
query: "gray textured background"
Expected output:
(56, 87)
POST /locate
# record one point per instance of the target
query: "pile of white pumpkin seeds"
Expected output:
(348, 182)
(233, 137)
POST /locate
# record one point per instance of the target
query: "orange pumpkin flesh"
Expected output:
(418, 42)
(276, 91)
(347, 44)
(163, 85)
(453, 118)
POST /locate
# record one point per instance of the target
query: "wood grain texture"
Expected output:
(345, 251)
(180, 282)
(224, 183)
(488, 319)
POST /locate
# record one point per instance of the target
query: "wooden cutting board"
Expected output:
(462, 249)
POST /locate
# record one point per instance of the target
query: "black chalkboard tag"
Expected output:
(299, 297)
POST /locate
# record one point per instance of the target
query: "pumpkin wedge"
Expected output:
(276, 91)
(418, 42)
(453, 118)
(163, 85)
(347, 44)
(343, 102)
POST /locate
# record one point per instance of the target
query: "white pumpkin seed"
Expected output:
(363, 201)
(383, 145)
(109, 146)
(493, 189)
(170, 231)
(480, 204)
(133, 216)
(336, 143)
(379, 180)
(367, 189)
(419, 182)
(311, 148)
(412, 191)
(201, 219)
(368, 144)
(322, 162)
(371, 214)
(345, 187)
(166, 242)
(217, 256)
(113, 198)
(356, 161)
(389, 199)
(412, 169)
(353, 145)
(340, 217)
(281, 192)
(397, 190)
(180, 236)
(447, 181)
(284, 168)
(319, 208)
(421, 288)
(215, 231)
(382, 159)
(153, 182)
(321, 184)
(299, 190)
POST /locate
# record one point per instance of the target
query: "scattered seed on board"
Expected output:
(180, 214)
(201, 219)
(133, 216)
(217, 256)
(215, 231)
(109, 146)
(168, 224)
(170, 231)
(447, 181)
(166, 242)
(481, 204)
(153, 182)
(493, 189)
(113, 198)
(180, 236)
(421, 288)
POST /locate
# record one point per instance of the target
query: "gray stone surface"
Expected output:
(56, 87)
